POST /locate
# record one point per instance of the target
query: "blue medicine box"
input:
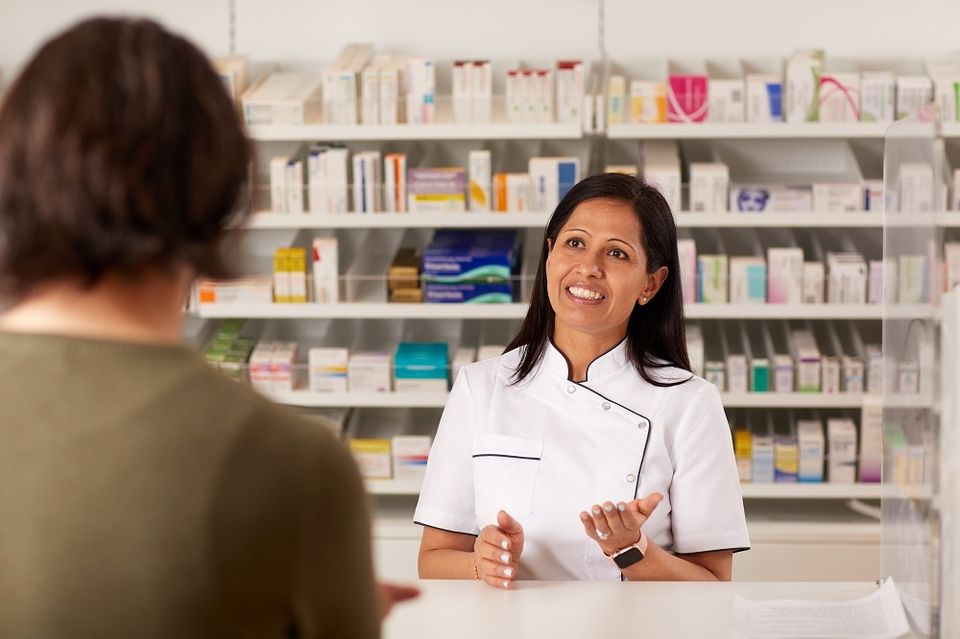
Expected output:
(464, 256)
(469, 293)
(421, 360)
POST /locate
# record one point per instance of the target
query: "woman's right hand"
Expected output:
(496, 553)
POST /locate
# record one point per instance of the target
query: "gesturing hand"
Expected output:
(496, 553)
(614, 527)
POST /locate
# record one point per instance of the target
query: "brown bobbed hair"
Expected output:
(120, 152)
(656, 337)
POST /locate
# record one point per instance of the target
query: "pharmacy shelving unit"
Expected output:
(266, 220)
(416, 132)
(800, 511)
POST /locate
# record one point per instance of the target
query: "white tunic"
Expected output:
(548, 448)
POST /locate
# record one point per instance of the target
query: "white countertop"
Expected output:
(583, 610)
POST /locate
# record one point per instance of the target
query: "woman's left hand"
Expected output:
(616, 526)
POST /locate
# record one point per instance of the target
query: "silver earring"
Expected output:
(643, 301)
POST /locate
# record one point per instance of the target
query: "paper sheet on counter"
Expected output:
(876, 616)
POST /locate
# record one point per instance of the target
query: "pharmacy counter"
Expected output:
(558, 610)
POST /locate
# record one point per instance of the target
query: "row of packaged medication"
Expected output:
(806, 87)
(385, 183)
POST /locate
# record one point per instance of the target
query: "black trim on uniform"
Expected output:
(733, 550)
(583, 385)
(507, 456)
(636, 486)
(457, 532)
(615, 347)
(610, 350)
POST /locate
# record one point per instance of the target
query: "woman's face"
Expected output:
(597, 269)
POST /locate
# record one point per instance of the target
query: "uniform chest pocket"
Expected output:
(504, 474)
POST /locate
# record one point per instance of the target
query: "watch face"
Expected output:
(628, 557)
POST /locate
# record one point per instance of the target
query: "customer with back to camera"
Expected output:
(144, 494)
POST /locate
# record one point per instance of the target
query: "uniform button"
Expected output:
(571, 389)
(631, 478)
(605, 406)
(642, 425)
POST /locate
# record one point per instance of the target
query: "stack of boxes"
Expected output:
(341, 82)
(284, 98)
(403, 278)
(472, 91)
(436, 189)
(367, 182)
(228, 351)
(529, 96)
(272, 366)
(326, 278)
(327, 179)
(389, 446)
(661, 168)
(290, 275)
(470, 267)
(420, 82)
(328, 370)
(802, 455)
(380, 89)
(550, 180)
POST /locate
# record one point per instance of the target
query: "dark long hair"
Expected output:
(655, 332)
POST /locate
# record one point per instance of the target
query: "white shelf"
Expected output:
(376, 310)
(774, 131)
(824, 490)
(524, 219)
(812, 219)
(268, 220)
(363, 310)
(520, 131)
(950, 219)
(900, 401)
(312, 399)
(308, 398)
(950, 129)
(782, 311)
(492, 131)
(750, 491)
(792, 400)
(394, 486)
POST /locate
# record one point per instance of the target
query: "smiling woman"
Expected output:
(588, 450)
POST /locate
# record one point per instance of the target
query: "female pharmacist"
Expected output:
(588, 450)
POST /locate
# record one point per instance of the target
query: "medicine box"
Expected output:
(763, 459)
(410, 454)
(328, 370)
(842, 450)
(812, 449)
(421, 367)
(369, 372)
(373, 457)
(284, 98)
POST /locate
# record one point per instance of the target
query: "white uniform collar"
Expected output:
(610, 363)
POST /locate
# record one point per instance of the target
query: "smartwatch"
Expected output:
(630, 555)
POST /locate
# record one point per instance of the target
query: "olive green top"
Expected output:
(144, 494)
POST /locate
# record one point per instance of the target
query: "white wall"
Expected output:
(314, 30)
(26, 24)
